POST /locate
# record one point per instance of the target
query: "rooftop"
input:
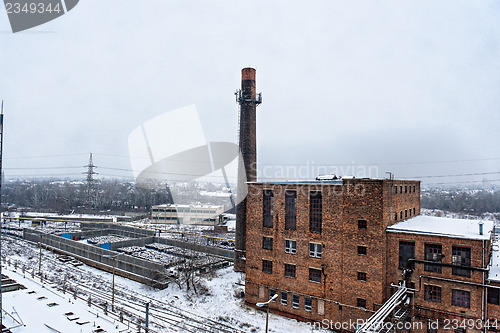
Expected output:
(188, 206)
(446, 227)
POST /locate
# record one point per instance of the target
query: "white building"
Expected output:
(186, 214)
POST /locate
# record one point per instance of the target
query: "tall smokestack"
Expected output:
(247, 168)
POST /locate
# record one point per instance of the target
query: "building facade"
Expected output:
(186, 214)
(336, 250)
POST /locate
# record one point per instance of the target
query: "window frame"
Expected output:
(267, 266)
(290, 270)
(401, 264)
(288, 246)
(361, 303)
(432, 293)
(362, 276)
(460, 298)
(364, 250)
(461, 258)
(290, 209)
(316, 212)
(433, 252)
(267, 243)
(268, 208)
(314, 272)
(284, 300)
(314, 253)
(362, 224)
(308, 307)
(295, 301)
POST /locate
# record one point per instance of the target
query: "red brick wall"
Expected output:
(420, 277)
(343, 205)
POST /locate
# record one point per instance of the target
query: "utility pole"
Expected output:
(147, 317)
(90, 182)
(1, 151)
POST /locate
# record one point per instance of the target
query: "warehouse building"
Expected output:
(340, 249)
(187, 214)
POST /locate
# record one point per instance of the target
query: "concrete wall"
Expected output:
(223, 253)
(136, 269)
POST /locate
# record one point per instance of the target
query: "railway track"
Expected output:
(128, 306)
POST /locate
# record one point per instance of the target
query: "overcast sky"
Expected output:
(397, 85)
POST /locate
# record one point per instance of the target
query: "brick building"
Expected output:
(335, 250)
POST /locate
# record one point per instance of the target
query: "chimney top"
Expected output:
(248, 73)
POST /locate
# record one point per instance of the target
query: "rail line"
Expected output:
(164, 316)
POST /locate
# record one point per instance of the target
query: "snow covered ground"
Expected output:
(41, 308)
(172, 309)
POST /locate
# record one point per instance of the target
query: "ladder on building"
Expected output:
(377, 322)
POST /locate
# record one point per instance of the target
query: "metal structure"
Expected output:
(90, 182)
(1, 178)
(396, 307)
(248, 100)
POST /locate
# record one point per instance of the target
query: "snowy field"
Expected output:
(216, 309)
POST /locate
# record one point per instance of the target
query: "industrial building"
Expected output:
(346, 249)
(187, 214)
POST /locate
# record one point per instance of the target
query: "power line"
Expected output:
(459, 175)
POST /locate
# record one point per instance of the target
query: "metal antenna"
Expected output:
(90, 182)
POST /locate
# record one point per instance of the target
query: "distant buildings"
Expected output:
(187, 214)
(336, 250)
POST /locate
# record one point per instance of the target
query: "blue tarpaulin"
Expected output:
(106, 246)
(66, 235)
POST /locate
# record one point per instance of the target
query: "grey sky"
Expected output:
(388, 82)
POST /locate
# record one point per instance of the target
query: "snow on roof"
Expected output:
(495, 262)
(447, 227)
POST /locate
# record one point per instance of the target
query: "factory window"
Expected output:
(433, 252)
(406, 252)
(272, 292)
(290, 270)
(461, 257)
(401, 189)
(361, 276)
(290, 210)
(315, 250)
(395, 190)
(460, 298)
(295, 301)
(362, 224)
(267, 208)
(267, 243)
(406, 213)
(290, 246)
(267, 266)
(413, 210)
(315, 212)
(308, 303)
(413, 188)
(315, 275)
(494, 296)
(284, 298)
(432, 293)
(406, 189)
(362, 250)
(396, 216)
(361, 303)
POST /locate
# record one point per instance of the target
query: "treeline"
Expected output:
(462, 200)
(66, 196)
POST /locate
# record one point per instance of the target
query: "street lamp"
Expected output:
(267, 303)
(113, 285)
